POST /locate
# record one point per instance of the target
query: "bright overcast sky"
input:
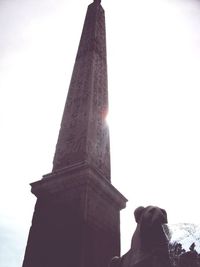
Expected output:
(153, 52)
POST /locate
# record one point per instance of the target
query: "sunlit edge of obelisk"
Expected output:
(76, 221)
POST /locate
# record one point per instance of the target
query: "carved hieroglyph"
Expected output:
(76, 221)
(84, 134)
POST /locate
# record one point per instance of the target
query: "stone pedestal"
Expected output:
(76, 222)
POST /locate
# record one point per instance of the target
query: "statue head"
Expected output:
(149, 232)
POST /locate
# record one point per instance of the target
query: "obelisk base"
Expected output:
(76, 222)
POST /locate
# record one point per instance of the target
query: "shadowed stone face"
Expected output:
(97, 1)
(76, 221)
(84, 134)
(149, 246)
(149, 231)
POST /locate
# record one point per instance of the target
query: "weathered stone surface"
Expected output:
(76, 222)
(84, 134)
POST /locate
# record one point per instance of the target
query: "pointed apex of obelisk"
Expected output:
(78, 209)
(84, 134)
(98, 2)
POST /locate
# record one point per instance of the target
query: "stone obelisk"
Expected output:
(76, 222)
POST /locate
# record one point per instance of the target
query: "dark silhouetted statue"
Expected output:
(149, 245)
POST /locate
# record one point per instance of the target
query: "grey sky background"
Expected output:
(153, 52)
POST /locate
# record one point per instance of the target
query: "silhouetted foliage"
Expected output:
(181, 258)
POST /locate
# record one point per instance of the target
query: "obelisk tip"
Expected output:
(98, 2)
